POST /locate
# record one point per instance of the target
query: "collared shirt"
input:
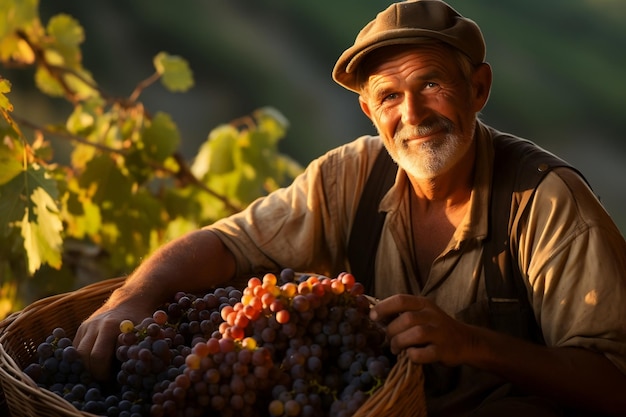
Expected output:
(569, 249)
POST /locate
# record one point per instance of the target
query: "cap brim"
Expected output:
(344, 72)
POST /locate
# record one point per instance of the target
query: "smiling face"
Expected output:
(423, 100)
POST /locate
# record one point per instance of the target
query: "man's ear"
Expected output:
(481, 84)
(365, 106)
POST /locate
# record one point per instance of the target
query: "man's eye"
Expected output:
(390, 97)
(430, 84)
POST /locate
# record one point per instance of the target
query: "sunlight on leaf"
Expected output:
(47, 84)
(175, 72)
(66, 30)
(5, 87)
(41, 230)
(216, 154)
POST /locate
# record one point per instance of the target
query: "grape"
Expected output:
(281, 346)
(58, 333)
(126, 326)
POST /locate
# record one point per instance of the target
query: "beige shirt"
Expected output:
(571, 252)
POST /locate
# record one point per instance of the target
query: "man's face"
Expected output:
(423, 107)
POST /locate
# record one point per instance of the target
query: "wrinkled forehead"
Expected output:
(437, 51)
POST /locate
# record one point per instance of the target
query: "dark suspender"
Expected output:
(368, 221)
(519, 165)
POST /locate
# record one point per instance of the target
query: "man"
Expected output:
(420, 72)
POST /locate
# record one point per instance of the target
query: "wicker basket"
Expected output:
(21, 333)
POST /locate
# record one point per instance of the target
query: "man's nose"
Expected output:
(414, 109)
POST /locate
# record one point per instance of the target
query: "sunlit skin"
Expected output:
(425, 112)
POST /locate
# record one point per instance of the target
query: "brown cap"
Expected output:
(409, 22)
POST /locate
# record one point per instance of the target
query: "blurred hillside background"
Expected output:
(559, 71)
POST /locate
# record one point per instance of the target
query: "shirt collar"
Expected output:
(475, 224)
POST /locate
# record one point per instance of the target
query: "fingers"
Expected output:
(423, 354)
(389, 308)
(411, 328)
(101, 357)
(95, 340)
(420, 327)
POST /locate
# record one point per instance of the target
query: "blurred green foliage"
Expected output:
(123, 189)
(558, 70)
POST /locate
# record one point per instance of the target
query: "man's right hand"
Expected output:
(191, 263)
(96, 338)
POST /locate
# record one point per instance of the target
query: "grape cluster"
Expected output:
(60, 370)
(285, 345)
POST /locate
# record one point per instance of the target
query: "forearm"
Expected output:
(575, 377)
(191, 263)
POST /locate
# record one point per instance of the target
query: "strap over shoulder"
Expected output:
(368, 221)
(518, 169)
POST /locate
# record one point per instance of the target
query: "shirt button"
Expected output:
(542, 167)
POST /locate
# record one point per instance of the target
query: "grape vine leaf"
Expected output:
(215, 156)
(29, 201)
(67, 34)
(13, 15)
(161, 137)
(41, 230)
(6, 106)
(111, 187)
(175, 72)
(47, 84)
(5, 87)
(9, 160)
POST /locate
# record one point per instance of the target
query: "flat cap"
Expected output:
(409, 22)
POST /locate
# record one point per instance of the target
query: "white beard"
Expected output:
(431, 158)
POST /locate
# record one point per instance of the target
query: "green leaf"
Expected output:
(28, 201)
(67, 34)
(41, 230)
(161, 137)
(23, 15)
(111, 187)
(5, 87)
(81, 155)
(12, 204)
(216, 154)
(272, 121)
(17, 13)
(175, 72)
(131, 233)
(10, 160)
(47, 83)
(81, 215)
(83, 118)
(83, 86)
(66, 30)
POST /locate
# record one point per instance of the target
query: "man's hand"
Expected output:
(573, 376)
(426, 332)
(191, 263)
(96, 338)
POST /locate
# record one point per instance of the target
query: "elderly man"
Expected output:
(420, 74)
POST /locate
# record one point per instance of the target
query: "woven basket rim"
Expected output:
(18, 390)
(29, 391)
(21, 392)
